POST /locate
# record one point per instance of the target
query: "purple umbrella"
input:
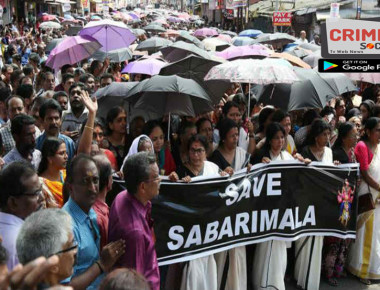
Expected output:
(71, 50)
(246, 51)
(148, 66)
(111, 34)
(174, 19)
(133, 15)
(205, 32)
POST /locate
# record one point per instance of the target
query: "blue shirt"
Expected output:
(84, 233)
(70, 145)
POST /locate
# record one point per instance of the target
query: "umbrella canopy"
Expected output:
(275, 38)
(312, 91)
(52, 44)
(138, 31)
(170, 94)
(196, 68)
(373, 78)
(310, 46)
(112, 96)
(225, 38)
(230, 33)
(115, 56)
(254, 71)
(339, 82)
(174, 19)
(215, 44)
(50, 24)
(148, 66)
(154, 28)
(292, 59)
(205, 32)
(240, 41)
(312, 59)
(185, 36)
(110, 34)
(48, 17)
(71, 50)
(299, 52)
(247, 51)
(250, 33)
(153, 44)
(181, 49)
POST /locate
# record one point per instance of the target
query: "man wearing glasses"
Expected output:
(130, 216)
(83, 184)
(47, 233)
(20, 196)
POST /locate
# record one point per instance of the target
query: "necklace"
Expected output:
(318, 155)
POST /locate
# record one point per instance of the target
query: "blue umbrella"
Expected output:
(240, 41)
(250, 33)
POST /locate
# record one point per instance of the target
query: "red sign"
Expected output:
(282, 19)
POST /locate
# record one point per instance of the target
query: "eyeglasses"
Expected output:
(197, 151)
(73, 247)
(38, 192)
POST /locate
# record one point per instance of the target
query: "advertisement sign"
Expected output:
(282, 18)
(334, 10)
(229, 4)
(350, 38)
(211, 4)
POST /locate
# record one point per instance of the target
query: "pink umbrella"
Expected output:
(48, 17)
(205, 32)
(150, 66)
(71, 50)
(184, 15)
(373, 78)
(246, 51)
(225, 37)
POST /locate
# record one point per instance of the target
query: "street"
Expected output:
(350, 282)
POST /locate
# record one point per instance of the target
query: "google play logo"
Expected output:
(328, 65)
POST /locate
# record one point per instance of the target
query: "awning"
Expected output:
(59, 2)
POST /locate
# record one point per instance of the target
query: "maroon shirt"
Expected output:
(102, 215)
(130, 220)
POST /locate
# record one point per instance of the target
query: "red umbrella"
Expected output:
(48, 17)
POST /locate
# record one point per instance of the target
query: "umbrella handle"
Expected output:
(169, 128)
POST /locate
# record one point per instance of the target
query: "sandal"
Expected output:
(332, 282)
(365, 281)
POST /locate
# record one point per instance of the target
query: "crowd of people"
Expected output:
(64, 221)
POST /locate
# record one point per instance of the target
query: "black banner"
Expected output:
(282, 201)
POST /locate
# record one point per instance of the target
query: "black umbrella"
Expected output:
(115, 56)
(111, 96)
(180, 49)
(154, 28)
(275, 38)
(196, 68)
(187, 37)
(52, 44)
(312, 91)
(170, 94)
(153, 44)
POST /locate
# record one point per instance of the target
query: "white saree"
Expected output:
(364, 254)
(269, 264)
(201, 273)
(308, 266)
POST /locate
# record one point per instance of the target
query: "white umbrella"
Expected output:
(50, 24)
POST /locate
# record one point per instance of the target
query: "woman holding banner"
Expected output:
(270, 258)
(231, 158)
(364, 255)
(309, 249)
(199, 273)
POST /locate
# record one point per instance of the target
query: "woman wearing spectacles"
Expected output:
(52, 171)
(199, 273)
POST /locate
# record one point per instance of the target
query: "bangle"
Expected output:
(89, 127)
(100, 267)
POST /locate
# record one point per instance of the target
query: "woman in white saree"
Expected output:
(200, 273)
(364, 255)
(270, 258)
(230, 158)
